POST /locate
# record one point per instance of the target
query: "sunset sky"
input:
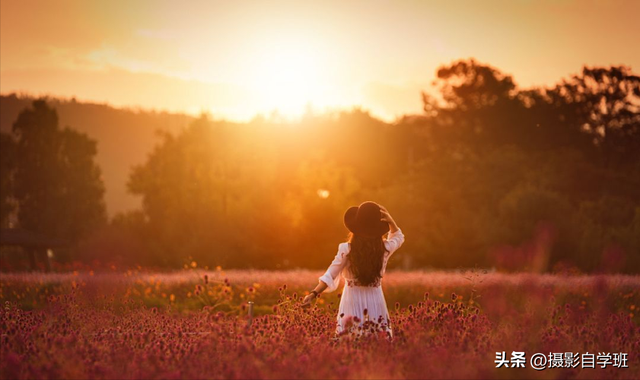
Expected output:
(237, 59)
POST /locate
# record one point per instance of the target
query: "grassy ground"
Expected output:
(193, 324)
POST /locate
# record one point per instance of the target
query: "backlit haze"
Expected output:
(238, 59)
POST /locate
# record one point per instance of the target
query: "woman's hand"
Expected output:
(315, 293)
(386, 217)
(306, 302)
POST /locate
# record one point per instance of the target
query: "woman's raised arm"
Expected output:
(386, 217)
(395, 237)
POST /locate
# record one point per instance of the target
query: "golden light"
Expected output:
(287, 76)
(323, 193)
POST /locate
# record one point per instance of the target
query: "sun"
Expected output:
(287, 78)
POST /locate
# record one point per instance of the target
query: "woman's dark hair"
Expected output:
(365, 258)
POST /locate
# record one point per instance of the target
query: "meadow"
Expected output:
(194, 324)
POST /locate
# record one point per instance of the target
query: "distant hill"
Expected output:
(124, 136)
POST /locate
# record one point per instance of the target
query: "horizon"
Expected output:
(237, 63)
(273, 116)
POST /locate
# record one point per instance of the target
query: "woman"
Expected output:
(362, 261)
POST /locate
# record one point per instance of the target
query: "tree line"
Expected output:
(489, 175)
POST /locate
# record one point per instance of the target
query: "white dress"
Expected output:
(355, 299)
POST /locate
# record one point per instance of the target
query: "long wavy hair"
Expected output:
(366, 257)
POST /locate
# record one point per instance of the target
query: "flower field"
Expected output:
(195, 324)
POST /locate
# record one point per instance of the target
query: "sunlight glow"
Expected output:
(287, 77)
(323, 193)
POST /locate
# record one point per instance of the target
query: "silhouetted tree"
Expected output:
(524, 158)
(481, 108)
(468, 85)
(605, 104)
(201, 192)
(489, 165)
(58, 186)
(242, 196)
(7, 167)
